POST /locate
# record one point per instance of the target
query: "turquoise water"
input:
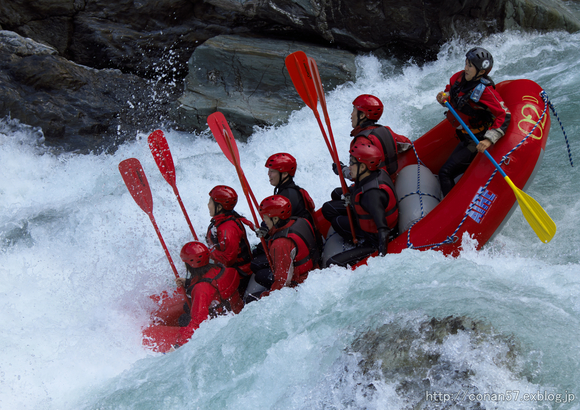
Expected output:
(78, 260)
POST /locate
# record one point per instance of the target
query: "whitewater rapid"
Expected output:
(78, 260)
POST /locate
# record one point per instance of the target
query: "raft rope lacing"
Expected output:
(453, 237)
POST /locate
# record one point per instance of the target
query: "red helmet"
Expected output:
(370, 105)
(276, 205)
(195, 254)
(225, 196)
(282, 162)
(367, 154)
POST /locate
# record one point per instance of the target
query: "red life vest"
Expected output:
(382, 138)
(366, 221)
(244, 256)
(300, 232)
(225, 281)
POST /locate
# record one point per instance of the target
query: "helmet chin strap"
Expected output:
(282, 180)
(359, 118)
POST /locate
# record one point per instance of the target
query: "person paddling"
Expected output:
(226, 234)
(212, 288)
(471, 92)
(374, 202)
(367, 110)
(292, 245)
(281, 171)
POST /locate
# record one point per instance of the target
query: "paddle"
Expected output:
(138, 186)
(162, 156)
(225, 139)
(306, 79)
(538, 219)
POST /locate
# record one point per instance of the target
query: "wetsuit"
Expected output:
(488, 118)
(296, 196)
(376, 216)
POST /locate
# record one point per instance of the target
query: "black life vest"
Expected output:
(475, 114)
(389, 146)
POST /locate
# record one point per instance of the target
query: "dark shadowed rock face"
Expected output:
(77, 107)
(141, 49)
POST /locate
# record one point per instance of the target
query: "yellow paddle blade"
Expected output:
(538, 219)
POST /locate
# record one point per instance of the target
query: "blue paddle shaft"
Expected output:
(466, 128)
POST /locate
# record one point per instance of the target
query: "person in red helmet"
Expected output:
(367, 109)
(226, 234)
(211, 291)
(211, 287)
(471, 92)
(281, 171)
(374, 202)
(292, 245)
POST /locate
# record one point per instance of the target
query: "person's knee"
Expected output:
(328, 211)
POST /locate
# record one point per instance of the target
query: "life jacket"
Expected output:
(226, 289)
(365, 220)
(244, 256)
(381, 137)
(300, 232)
(308, 202)
(477, 117)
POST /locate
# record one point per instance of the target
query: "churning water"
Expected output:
(78, 260)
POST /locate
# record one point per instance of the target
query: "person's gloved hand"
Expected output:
(346, 199)
(345, 170)
(262, 232)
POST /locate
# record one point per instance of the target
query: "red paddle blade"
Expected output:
(162, 156)
(224, 136)
(299, 70)
(136, 181)
(317, 83)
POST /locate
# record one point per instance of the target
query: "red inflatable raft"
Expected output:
(479, 204)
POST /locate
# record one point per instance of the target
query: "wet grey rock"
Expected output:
(140, 52)
(411, 356)
(245, 78)
(78, 108)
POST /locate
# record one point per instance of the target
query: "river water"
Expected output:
(78, 260)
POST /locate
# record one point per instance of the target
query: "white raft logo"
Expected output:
(480, 204)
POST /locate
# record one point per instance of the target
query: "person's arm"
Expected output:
(201, 297)
(493, 101)
(403, 143)
(282, 253)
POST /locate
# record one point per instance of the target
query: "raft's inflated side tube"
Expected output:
(333, 245)
(254, 290)
(416, 184)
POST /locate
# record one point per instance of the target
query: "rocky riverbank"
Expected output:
(90, 74)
